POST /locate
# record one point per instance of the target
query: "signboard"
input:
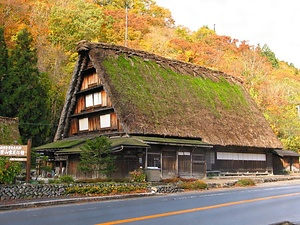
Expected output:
(13, 150)
(18, 159)
(18, 151)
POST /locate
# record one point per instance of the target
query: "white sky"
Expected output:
(272, 22)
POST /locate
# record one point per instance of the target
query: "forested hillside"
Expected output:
(53, 27)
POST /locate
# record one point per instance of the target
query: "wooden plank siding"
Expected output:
(240, 165)
(183, 162)
(91, 86)
(90, 80)
(124, 163)
(81, 103)
(94, 124)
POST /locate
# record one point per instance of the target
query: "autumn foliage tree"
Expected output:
(57, 25)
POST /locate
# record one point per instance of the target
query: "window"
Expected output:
(83, 124)
(93, 99)
(89, 100)
(97, 98)
(241, 156)
(153, 160)
(105, 121)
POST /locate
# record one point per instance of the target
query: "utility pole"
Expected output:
(126, 23)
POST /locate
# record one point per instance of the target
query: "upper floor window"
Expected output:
(93, 99)
(105, 121)
(83, 124)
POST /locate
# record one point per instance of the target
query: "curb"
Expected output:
(36, 203)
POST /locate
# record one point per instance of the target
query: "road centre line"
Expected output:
(195, 209)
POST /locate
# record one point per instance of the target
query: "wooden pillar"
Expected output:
(28, 162)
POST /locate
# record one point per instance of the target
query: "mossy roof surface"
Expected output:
(171, 141)
(157, 91)
(62, 144)
(73, 145)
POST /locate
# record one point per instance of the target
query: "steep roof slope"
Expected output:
(155, 95)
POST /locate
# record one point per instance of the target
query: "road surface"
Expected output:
(264, 204)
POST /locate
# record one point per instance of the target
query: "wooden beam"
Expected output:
(28, 162)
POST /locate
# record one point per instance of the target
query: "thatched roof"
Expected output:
(9, 130)
(156, 95)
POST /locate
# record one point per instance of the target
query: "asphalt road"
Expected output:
(264, 204)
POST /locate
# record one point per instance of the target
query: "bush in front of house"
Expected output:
(178, 179)
(245, 182)
(137, 176)
(98, 180)
(107, 188)
(8, 170)
(66, 179)
(192, 185)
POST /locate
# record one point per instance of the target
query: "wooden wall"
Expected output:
(241, 166)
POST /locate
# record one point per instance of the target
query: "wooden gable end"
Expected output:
(93, 108)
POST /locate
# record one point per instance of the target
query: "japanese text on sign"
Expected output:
(13, 150)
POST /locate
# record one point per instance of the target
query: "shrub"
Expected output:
(66, 179)
(245, 182)
(100, 180)
(171, 180)
(137, 176)
(178, 179)
(193, 185)
(8, 170)
(106, 188)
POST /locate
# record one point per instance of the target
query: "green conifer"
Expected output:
(25, 91)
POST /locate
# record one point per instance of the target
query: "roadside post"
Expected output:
(28, 163)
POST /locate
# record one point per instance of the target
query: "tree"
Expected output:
(96, 157)
(3, 64)
(267, 52)
(25, 91)
(8, 170)
(74, 20)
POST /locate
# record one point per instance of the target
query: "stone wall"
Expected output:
(36, 191)
(43, 191)
(31, 191)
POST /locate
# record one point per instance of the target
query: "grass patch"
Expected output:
(194, 185)
(245, 182)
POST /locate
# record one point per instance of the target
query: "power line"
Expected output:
(39, 124)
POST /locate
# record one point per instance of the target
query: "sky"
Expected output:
(272, 22)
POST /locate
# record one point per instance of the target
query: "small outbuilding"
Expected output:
(286, 161)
